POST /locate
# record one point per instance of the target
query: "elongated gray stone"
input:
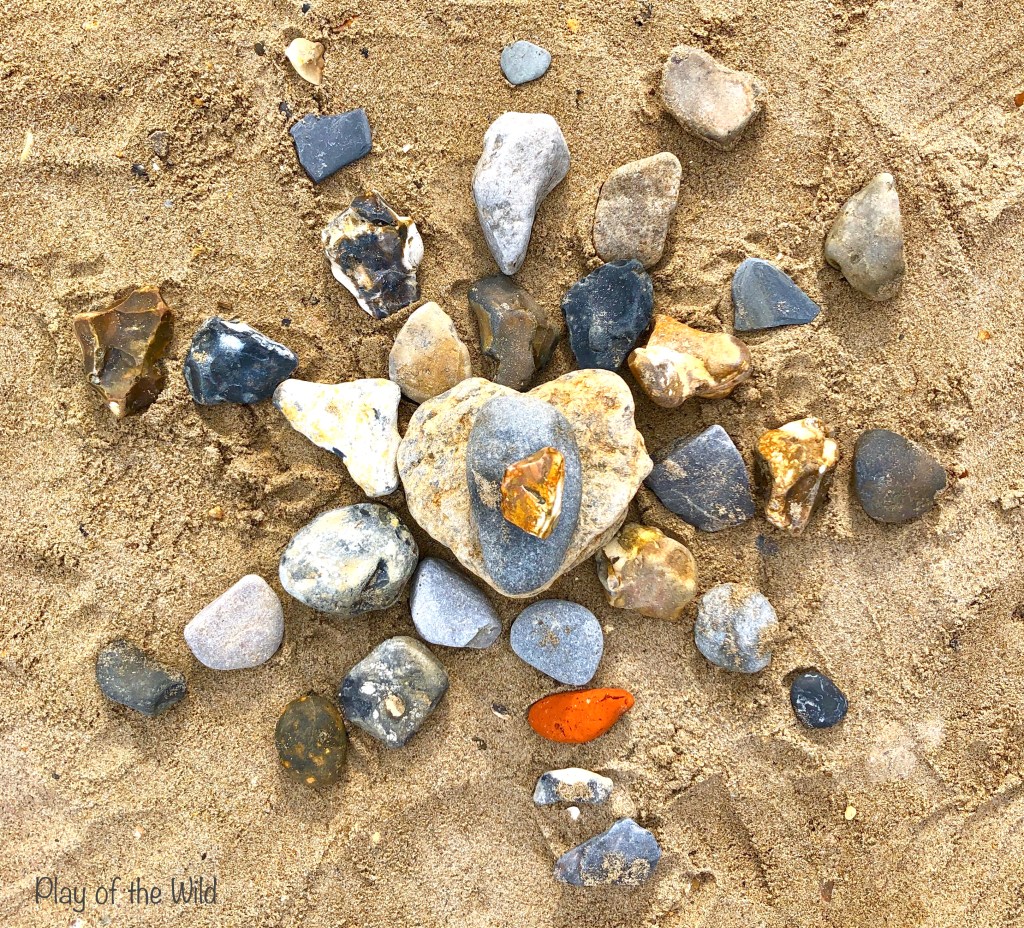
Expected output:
(129, 676)
(559, 638)
(325, 144)
(241, 628)
(449, 610)
(572, 786)
(895, 479)
(624, 855)
(735, 627)
(522, 62)
(764, 297)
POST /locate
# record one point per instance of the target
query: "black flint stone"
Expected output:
(129, 676)
(325, 144)
(817, 701)
(895, 479)
(764, 297)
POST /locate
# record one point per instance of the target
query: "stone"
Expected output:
(350, 560)
(447, 609)
(531, 492)
(703, 480)
(709, 100)
(635, 209)
(764, 297)
(129, 676)
(326, 144)
(311, 740)
(866, 240)
(679, 362)
(524, 158)
(578, 716)
(241, 628)
(357, 421)
(428, 357)
(159, 143)
(231, 362)
(606, 312)
(644, 570)
(522, 62)
(559, 638)
(895, 479)
(374, 254)
(391, 692)
(514, 330)
(624, 855)
(816, 700)
(307, 58)
(122, 348)
(572, 785)
(505, 430)
(735, 628)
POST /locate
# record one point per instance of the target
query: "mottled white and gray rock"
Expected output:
(428, 357)
(559, 638)
(522, 62)
(524, 158)
(735, 627)
(866, 240)
(241, 628)
(449, 610)
(624, 855)
(572, 785)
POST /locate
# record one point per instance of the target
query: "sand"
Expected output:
(105, 529)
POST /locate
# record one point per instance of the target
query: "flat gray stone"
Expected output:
(522, 62)
(572, 786)
(325, 144)
(128, 676)
(241, 628)
(449, 610)
(559, 638)
(624, 855)
(765, 297)
(895, 479)
(735, 627)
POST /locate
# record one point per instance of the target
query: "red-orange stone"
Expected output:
(580, 716)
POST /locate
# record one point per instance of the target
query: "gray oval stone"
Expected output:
(764, 297)
(734, 628)
(559, 638)
(895, 479)
(624, 855)
(522, 62)
(449, 610)
(129, 676)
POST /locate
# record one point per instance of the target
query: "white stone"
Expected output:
(572, 784)
(241, 628)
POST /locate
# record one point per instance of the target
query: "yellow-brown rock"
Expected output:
(531, 492)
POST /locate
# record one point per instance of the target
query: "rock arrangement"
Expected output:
(520, 487)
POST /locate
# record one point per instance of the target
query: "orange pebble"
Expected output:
(579, 716)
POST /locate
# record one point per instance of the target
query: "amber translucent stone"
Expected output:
(580, 716)
(531, 492)
(311, 740)
(122, 347)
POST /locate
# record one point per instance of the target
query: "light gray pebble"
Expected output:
(522, 62)
(734, 628)
(449, 610)
(241, 628)
(559, 638)
(572, 785)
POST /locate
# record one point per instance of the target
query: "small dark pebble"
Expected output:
(764, 297)
(325, 144)
(306, 7)
(311, 740)
(286, 322)
(895, 479)
(129, 676)
(139, 171)
(285, 108)
(365, 52)
(817, 701)
(260, 48)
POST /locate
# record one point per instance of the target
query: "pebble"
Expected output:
(349, 561)
(606, 312)
(579, 716)
(795, 463)
(765, 297)
(122, 348)
(559, 638)
(311, 740)
(735, 627)
(449, 610)
(524, 158)
(241, 628)
(709, 100)
(635, 208)
(703, 480)
(231, 362)
(572, 785)
(817, 701)
(680, 362)
(624, 855)
(428, 357)
(895, 479)
(866, 240)
(391, 692)
(357, 421)
(522, 62)
(307, 58)
(374, 254)
(129, 676)
(645, 571)
(531, 492)
(514, 330)
(326, 144)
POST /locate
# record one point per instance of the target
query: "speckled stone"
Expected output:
(311, 740)
(817, 701)
(129, 676)
(522, 62)
(895, 479)
(391, 692)
(572, 786)
(349, 561)
(624, 855)
(449, 610)
(764, 297)
(428, 357)
(559, 638)
(326, 144)
(735, 627)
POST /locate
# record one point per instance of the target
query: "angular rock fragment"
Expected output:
(572, 785)
(522, 62)
(307, 58)
(129, 676)
(447, 609)
(559, 638)
(816, 700)
(326, 144)
(531, 492)
(895, 479)
(764, 297)
(311, 740)
(735, 628)
(428, 356)
(624, 855)
(578, 716)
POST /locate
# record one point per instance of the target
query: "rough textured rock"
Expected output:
(357, 421)
(129, 676)
(644, 570)
(428, 357)
(231, 362)
(349, 561)
(866, 240)
(635, 208)
(578, 716)
(624, 855)
(447, 609)
(524, 158)
(522, 62)
(391, 692)
(703, 480)
(559, 638)
(679, 362)
(326, 144)
(572, 785)
(307, 58)
(241, 628)
(311, 740)
(735, 628)
(816, 700)
(606, 312)
(709, 100)
(765, 297)
(895, 479)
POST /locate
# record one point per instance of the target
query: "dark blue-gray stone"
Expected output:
(559, 638)
(703, 480)
(895, 479)
(325, 144)
(764, 297)
(448, 609)
(624, 855)
(231, 362)
(506, 430)
(129, 676)
(523, 61)
(817, 701)
(606, 312)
